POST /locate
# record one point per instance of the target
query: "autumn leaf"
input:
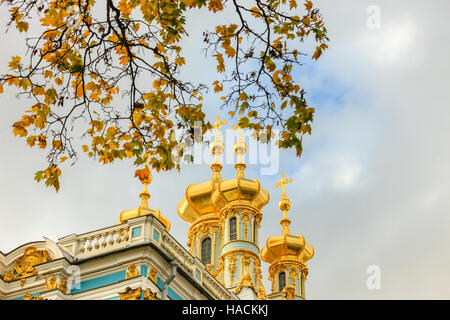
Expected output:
(143, 175)
(15, 62)
(115, 75)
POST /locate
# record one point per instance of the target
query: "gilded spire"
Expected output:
(284, 203)
(217, 147)
(287, 255)
(145, 176)
(240, 148)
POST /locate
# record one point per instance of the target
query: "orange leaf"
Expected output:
(143, 175)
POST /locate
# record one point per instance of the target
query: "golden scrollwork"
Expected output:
(63, 285)
(257, 271)
(190, 237)
(231, 266)
(305, 272)
(22, 282)
(246, 260)
(288, 293)
(245, 218)
(51, 283)
(246, 281)
(219, 268)
(29, 296)
(24, 265)
(152, 274)
(130, 294)
(293, 274)
(262, 293)
(150, 295)
(132, 271)
(205, 229)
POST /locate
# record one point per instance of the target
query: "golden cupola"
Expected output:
(241, 201)
(198, 209)
(240, 190)
(145, 177)
(198, 196)
(287, 255)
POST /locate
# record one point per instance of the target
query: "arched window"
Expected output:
(206, 251)
(281, 280)
(255, 230)
(233, 234)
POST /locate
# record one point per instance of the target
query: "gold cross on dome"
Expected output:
(283, 182)
(218, 124)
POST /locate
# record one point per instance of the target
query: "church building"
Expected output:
(138, 258)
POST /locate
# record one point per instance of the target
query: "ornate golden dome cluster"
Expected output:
(225, 216)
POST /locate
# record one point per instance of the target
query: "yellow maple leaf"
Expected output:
(308, 5)
(14, 63)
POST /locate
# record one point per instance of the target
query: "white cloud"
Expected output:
(346, 175)
(391, 43)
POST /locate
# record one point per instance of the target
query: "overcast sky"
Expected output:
(372, 186)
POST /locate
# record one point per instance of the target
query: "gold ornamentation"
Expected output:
(293, 274)
(51, 283)
(152, 274)
(217, 146)
(286, 252)
(240, 148)
(262, 293)
(288, 293)
(132, 271)
(150, 295)
(24, 265)
(219, 268)
(257, 270)
(22, 282)
(130, 294)
(145, 176)
(28, 296)
(63, 285)
(246, 261)
(189, 243)
(245, 223)
(246, 281)
(232, 267)
(237, 209)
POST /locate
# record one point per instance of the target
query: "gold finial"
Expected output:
(218, 124)
(217, 146)
(284, 203)
(282, 183)
(145, 176)
(240, 148)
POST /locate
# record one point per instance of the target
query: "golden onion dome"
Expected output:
(145, 177)
(286, 246)
(197, 201)
(241, 190)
